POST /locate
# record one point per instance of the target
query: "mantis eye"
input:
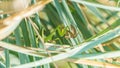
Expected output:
(71, 33)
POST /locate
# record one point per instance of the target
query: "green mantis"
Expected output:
(63, 32)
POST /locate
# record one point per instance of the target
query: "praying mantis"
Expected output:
(63, 32)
